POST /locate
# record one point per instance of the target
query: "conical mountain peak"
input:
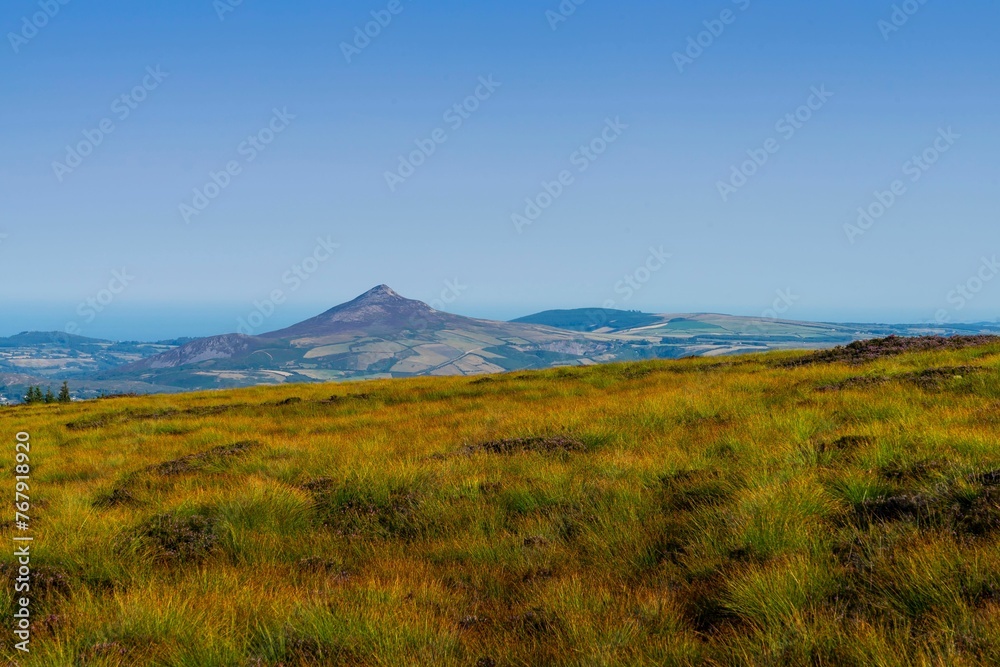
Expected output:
(379, 292)
(378, 310)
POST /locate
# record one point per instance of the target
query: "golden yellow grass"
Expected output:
(723, 511)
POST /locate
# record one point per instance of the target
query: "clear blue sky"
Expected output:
(896, 89)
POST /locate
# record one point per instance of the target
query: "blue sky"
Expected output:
(650, 215)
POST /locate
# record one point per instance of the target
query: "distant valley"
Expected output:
(381, 334)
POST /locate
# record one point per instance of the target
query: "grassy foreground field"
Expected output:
(755, 511)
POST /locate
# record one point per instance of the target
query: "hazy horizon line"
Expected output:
(134, 322)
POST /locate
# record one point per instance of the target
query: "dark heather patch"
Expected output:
(747, 554)
(288, 401)
(351, 510)
(338, 400)
(47, 581)
(534, 541)
(968, 513)
(108, 397)
(294, 647)
(894, 508)
(470, 621)
(208, 410)
(980, 516)
(909, 472)
(990, 478)
(51, 623)
(181, 539)
(690, 489)
(536, 622)
(318, 484)
(704, 606)
(855, 382)
(863, 351)
(932, 378)
(107, 419)
(537, 444)
(127, 416)
(192, 462)
(847, 443)
(119, 496)
(634, 373)
(316, 564)
(122, 496)
(105, 650)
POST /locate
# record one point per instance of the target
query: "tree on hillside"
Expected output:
(49, 396)
(64, 396)
(34, 395)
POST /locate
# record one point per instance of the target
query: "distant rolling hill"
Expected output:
(47, 358)
(591, 319)
(620, 321)
(691, 334)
